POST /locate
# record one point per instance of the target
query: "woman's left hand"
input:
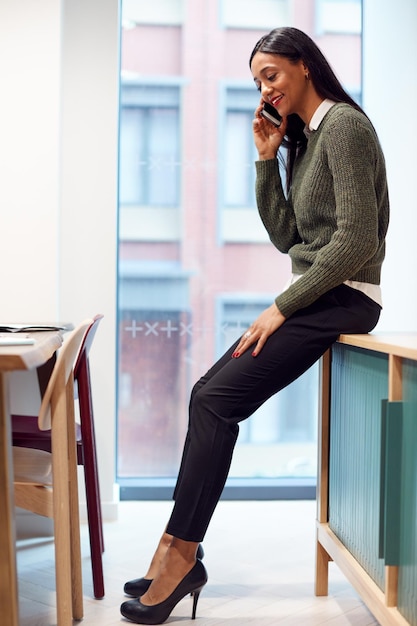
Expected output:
(266, 324)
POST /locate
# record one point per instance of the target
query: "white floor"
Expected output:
(259, 558)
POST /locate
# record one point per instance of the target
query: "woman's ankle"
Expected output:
(186, 549)
(178, 561)
(159, 555)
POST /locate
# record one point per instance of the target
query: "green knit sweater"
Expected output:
(334, 223)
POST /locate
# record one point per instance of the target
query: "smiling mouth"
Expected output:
(275, 102)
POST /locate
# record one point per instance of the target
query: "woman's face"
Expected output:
(283, 84)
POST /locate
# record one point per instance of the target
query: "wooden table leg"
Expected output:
(322, 571)
(9, 608)
(323, 440)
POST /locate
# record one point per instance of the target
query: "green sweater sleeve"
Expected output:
(275, 210)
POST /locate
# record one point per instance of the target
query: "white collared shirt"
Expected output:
(370, 290)
(319, 113)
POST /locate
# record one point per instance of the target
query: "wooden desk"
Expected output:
(14, 358)
(367, 438)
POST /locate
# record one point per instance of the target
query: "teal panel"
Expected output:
(359, 382)
(407, 583)
(392, 482)
(381, 541)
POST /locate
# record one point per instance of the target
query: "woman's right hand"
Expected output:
(267, 137)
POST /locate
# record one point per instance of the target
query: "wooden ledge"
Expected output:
(397, 344)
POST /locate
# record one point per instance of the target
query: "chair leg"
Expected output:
(92, 486)
(95, 526)
(62, 512)
(76, 569)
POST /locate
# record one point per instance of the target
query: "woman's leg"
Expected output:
(166, 539)
(155, 565)
(230, 392)
(234, 388)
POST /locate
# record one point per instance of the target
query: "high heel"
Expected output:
(138, 586)
(193, 583)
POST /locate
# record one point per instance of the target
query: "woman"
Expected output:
(332, 221)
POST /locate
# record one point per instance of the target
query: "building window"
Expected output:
(339, 17)
(262, 14)
(239, 149)
(166, 12)
(154, 338)
(149, 146)
(239, 220)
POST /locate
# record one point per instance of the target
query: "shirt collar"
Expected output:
(318, 115)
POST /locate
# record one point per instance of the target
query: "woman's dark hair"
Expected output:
(295, 45)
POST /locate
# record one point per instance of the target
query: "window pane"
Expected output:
(195, 264)
(151, 375)
(162, 174)
(263, 13)
(131, 151)
(340, 16)
(149, 147)
(239, 158)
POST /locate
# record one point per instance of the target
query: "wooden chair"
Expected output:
(46, 482)
(26, 434)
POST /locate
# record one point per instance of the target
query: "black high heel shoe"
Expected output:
(193, 583)
(138, 586)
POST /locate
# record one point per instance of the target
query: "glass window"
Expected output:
(149, 437)
(166, 12)
(239, 220)
(239, 148)
(239, 183)
(149, 147)
(195, 263)
(339, 16)
(262, 14)
(154, 339)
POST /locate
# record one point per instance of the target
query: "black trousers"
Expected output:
(234, 388)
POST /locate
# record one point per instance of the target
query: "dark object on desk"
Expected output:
(26, 328)
(26, 434)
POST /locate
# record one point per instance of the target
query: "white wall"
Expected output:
(390, 94)
(30, 40)
(58, 191)
(88, 202)
(58, 159)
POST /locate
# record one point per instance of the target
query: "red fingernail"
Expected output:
(235, 355)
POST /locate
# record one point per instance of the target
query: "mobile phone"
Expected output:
(271, 114)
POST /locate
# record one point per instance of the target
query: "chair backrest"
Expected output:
(87, 341)
(64, 367)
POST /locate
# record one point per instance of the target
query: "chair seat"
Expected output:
(26, 426)
(32, 466)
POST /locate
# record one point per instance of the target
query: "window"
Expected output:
(239, 179)
(239, 149)
(149, 146)
(339, 16)
(154, 334)
(166, 12)
(247, 14)
(195, 263)
(239, 217)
